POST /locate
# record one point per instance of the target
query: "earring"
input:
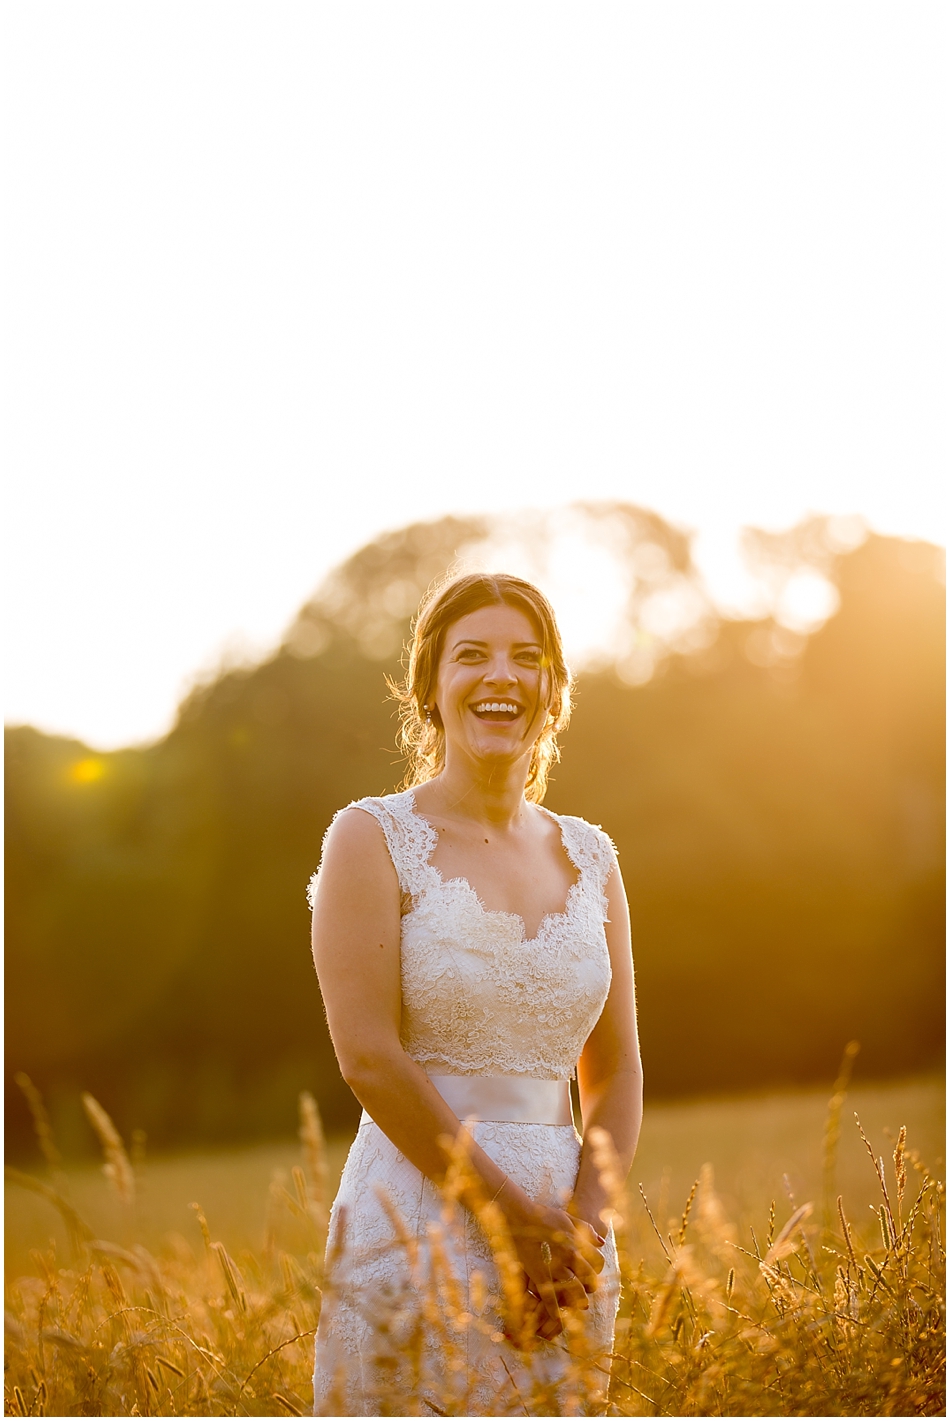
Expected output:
(428, 714)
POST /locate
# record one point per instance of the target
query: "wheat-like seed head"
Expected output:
(117, 1168)
(314, 1149)
(785, 1242)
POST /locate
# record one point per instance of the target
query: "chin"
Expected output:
(508, 752)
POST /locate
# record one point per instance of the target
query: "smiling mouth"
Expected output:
(498, 712)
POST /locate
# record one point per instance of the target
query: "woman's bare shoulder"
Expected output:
(355, 852)
(355, 832)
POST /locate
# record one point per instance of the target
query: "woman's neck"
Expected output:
(495, 798)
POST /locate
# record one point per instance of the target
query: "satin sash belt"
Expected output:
(511, 1098)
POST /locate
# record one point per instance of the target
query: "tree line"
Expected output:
(777, 805)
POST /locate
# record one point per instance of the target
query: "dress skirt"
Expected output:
(411, 1325)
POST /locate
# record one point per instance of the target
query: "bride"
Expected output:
(472, 949)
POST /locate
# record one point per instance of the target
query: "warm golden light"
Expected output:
(87, 771)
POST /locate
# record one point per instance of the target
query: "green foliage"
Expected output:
(777, 805)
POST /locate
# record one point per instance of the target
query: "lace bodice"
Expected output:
(479, 998)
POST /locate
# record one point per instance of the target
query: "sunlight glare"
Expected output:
(585, 580)
(807, 600)
(87, 771)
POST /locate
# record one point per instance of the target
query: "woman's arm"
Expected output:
(356, 936)
(610, 1077)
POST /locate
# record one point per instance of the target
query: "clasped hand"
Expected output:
(561, 1259)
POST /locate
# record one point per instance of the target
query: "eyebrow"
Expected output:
(518, 645)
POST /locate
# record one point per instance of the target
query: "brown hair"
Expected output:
(421, 740)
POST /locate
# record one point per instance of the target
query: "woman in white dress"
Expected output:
(473, 949)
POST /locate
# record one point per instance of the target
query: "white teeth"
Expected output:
(496, 707)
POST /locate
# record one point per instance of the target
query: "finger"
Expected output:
(548, 1326)
(565, 1292)
(549, 1322)
(590, 1282)
(557, 1304)
(572, 1271)
(566, 1276)
(571, 1293)
(582, 1270)
(590, 1261)
(591, 1250)
(521, 1328)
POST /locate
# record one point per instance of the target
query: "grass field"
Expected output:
(751, 1151)
(752, 1143)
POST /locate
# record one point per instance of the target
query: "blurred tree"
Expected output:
(371, 597)
(781, 834)
(776, 797)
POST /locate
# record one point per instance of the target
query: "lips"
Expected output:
(499, 712)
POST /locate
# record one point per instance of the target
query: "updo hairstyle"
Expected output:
(421, 738)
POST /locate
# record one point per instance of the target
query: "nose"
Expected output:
(499, 672)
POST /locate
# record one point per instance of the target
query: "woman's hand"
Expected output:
(561, 1259)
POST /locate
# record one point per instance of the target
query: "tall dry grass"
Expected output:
(809, 1312)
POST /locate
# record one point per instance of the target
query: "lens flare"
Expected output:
(87, 771)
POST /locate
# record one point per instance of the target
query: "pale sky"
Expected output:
(282, 276)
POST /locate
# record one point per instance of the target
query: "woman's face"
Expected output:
(490, 686)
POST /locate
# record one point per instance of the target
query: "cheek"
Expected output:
(449, 691)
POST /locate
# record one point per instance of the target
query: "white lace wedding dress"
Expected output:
(478, 1000)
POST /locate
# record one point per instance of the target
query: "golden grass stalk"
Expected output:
(313, 1143)
(79, 1230)
(42, 1127)
(832, 1132)
(117, 1168)
(900, 1169)
(846, 1233)
(231, 1275)
(785, 1244)
(686, 1213)
(203, 1226)
(611, 1176)
(125, 1330)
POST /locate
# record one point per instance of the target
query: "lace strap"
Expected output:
(592, 852)
(409, 838)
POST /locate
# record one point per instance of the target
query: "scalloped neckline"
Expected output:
(525, 941)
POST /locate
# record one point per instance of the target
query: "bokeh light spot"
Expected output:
(807, 601)
(87, 771)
